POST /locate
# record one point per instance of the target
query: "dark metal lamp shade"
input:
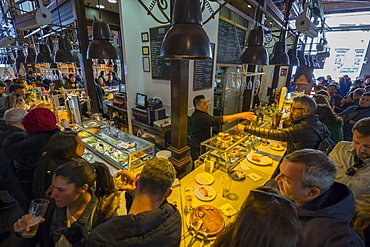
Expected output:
(102, 47)
(31, 55)
(65, 54)
(20, 56)
(279, 56)
(254, 53)
(186, 39)
(294, 61)
(44, 55)
(302, 59)
(10, 59)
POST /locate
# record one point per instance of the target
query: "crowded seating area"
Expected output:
(316, 192)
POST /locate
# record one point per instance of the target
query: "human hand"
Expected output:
(248, 115)
(22, 223)
(239, 127)
(64, 123)
(130, 178)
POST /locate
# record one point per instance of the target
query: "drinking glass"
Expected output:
(226, 186)
(119, 180)
(35, 214)
(189, 191)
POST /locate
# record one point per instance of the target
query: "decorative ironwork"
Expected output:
(164, 5)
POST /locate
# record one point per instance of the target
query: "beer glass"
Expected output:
(189, 191)
(35, 214)
(226, 186)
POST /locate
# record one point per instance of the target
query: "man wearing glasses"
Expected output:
(353, 160)
(325, 207)
(302, 133)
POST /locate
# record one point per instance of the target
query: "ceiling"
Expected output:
(112, 7)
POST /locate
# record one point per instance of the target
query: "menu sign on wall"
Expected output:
(231, 39)
(203, 72)
(161, 68)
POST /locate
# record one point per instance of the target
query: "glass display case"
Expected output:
(225, 150)
(118, 148)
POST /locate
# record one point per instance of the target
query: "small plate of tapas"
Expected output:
(204, 178)
(205, 193)
(259, 159)
(276, 147)
(224, 137)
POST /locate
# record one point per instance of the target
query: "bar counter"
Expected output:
(239, 189)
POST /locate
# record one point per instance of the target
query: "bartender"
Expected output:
(201, 123)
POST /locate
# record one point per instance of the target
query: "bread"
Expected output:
(256, 157)
(211, 216)
(204, 192)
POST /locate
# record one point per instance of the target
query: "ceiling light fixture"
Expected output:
(112, 1)
(255, 53)
(186, 39)
(99, 6)
(65, 53)
(102, 46)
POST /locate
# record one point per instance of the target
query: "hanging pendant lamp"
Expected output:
(10, 59)
(292, 53)
(186, 39)
(102, 47)
(101, 61)
(20, 56)
(65, 54)
(31, 54)
(254, 52)
(44, 55)
(279, 56)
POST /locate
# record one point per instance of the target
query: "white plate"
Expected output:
(277, 148)
(204, 178)
(265, 160)
(200, 196)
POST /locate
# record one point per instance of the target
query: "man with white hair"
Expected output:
(8, 181)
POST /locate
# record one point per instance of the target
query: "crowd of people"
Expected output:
(315, 199)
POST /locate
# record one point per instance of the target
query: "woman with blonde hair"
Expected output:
(362, 221)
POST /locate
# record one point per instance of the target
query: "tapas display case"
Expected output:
(123, 150)
(227, 149)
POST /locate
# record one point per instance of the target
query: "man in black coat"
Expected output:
(8, 181)
(325, 207)
(301, 134)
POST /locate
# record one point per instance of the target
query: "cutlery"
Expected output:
(196, 230)
(205, 233)
(193, 224)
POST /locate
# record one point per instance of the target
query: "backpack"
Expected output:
(326, 144)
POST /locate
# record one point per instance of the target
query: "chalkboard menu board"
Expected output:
(203, 72)
(160, 67)
(230, 37)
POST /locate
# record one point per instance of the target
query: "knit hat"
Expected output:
(39, 119)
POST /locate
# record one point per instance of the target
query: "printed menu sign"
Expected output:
(231, 39)
(160, 67)
(203, 72)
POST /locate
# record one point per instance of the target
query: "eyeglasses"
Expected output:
(274, 195)
(297, 108)
(358, 165)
